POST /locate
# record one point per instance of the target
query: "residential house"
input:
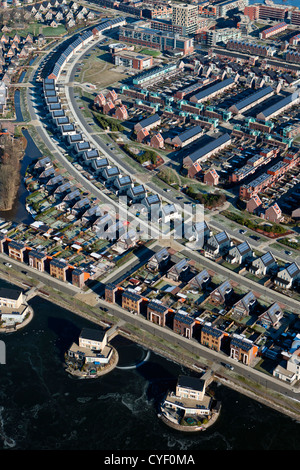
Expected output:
(11, 298)
(157, 312)
(37, 260)
(123, 184)
(111, 291)
(128, 240)
(136, 193)
(201, 233)
(263, 265)
(222, 294)
(217, 245)
(242, 349)
(240, 254)
(169, 212)
(212, 337)
(79, 278)
(201, 281)
(273, 213)
(16, 251)
(157, 141)
(93, 339)
(99, 165)
(288, 277)
(180, 271)
(254, 205)
(183, 324)
(211, 177)
(246, 305)
(271, 317)
(110, 173)
(159, 260)
(58, 269)
(132, 301)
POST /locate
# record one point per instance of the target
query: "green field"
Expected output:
(150, 52)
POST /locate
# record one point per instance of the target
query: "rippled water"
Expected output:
(41, 407)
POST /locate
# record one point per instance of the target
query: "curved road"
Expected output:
(191, 345)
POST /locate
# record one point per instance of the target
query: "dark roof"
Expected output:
(253, 97)
(192, 383)
(10, 293)
(94, 335)
(213, 88)
(202, 151)
(150, 120)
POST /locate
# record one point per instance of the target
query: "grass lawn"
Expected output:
(149, 52)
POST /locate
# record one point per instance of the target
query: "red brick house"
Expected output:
(211, 178)
(273, 213)
(100, 100)
(121, 113)
(142, 135)
(157, 141)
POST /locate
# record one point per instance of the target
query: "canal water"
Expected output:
(18, 213)
(41, 407)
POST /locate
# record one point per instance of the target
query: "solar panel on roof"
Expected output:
(267, 258)
(243, 247)
(292, 269)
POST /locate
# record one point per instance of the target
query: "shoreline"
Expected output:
(230, 383)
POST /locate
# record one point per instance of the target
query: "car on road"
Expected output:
(243, 231)
(8, 265)
(289, 253)
(228, 366)
(254, 237)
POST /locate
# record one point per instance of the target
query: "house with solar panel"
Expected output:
(132, 301)
(159, 261)
(200, 233)
(16, 250)
(37, 259)
(99, 165)
(211, 337)
(218, 245)
(89, 155)
(187, 137)
(288, 277)
(222, 294)
(123, 184)
(102, 225)
(157, 312)
(180, 271)
(183, 324)
(136, 193)
(201, 281)
(243, 349)
(148, 123)
(240, 254)
(271, 317)
(264, 265)
(81, 147)
(58, 269)
(127, 240)
(110, 173)
(74, 139)
(152, 205)
(169, 212)
(245, 306)
(80, 206)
